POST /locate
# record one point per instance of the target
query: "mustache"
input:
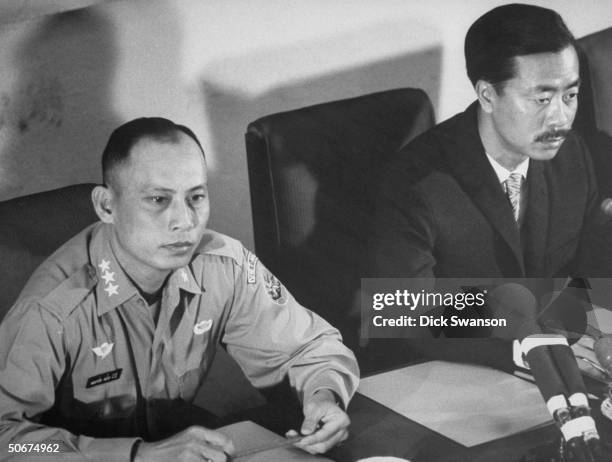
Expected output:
(552, 134)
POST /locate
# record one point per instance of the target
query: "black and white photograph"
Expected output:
(327, 230)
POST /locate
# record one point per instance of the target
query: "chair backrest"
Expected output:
(594, 119)
(32, 227)
(312, 173)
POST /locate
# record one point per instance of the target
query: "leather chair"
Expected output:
(32, 227)
(594, 119)
(312, 174)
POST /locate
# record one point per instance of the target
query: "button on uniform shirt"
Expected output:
(503, 174)
(80, 350)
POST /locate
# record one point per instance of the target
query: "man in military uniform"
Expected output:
(118, 328)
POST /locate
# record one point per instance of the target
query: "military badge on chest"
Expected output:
(101, 352)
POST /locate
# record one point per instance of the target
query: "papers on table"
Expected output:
(468, 404)
(253, 443)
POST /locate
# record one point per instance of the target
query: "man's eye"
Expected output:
(571, 96)
(543, 100)
(158, 200)
(197, 198)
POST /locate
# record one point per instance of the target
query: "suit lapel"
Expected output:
(536, 220)
(472, 169)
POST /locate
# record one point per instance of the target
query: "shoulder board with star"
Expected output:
(66, 297)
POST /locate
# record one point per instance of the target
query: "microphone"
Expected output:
(567, 313)
(517, 303)
(549, 350)
(554, 368)
(606, 206)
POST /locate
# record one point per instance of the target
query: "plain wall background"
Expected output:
(67, 78)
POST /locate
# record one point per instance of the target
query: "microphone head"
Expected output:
(567, 313)
(517, 304)
(606, 206)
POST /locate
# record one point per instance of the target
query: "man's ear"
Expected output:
(102, 198)
(486, 93)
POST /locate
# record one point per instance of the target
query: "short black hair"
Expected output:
(508, 31)
(123, 139)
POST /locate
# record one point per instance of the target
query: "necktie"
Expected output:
(513, 191)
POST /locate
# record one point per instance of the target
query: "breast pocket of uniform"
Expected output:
(192, 352)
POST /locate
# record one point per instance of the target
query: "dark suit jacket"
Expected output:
(442, 212)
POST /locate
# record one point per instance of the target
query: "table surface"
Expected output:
(379, 431)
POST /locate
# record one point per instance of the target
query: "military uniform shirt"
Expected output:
(81, 349)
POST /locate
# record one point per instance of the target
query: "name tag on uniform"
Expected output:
(103, 378)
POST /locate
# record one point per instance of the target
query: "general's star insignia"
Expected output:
(111, 289)
(104, 265)
(108, 276)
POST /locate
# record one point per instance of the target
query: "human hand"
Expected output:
(325, 424)
(192, 444)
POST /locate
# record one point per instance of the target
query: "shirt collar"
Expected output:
(182, 278)
(114, 287)
(503, 173)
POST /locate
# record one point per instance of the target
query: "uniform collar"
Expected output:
(182, 278)
(114, 287)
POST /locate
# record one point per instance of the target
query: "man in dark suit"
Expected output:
(506, 188)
